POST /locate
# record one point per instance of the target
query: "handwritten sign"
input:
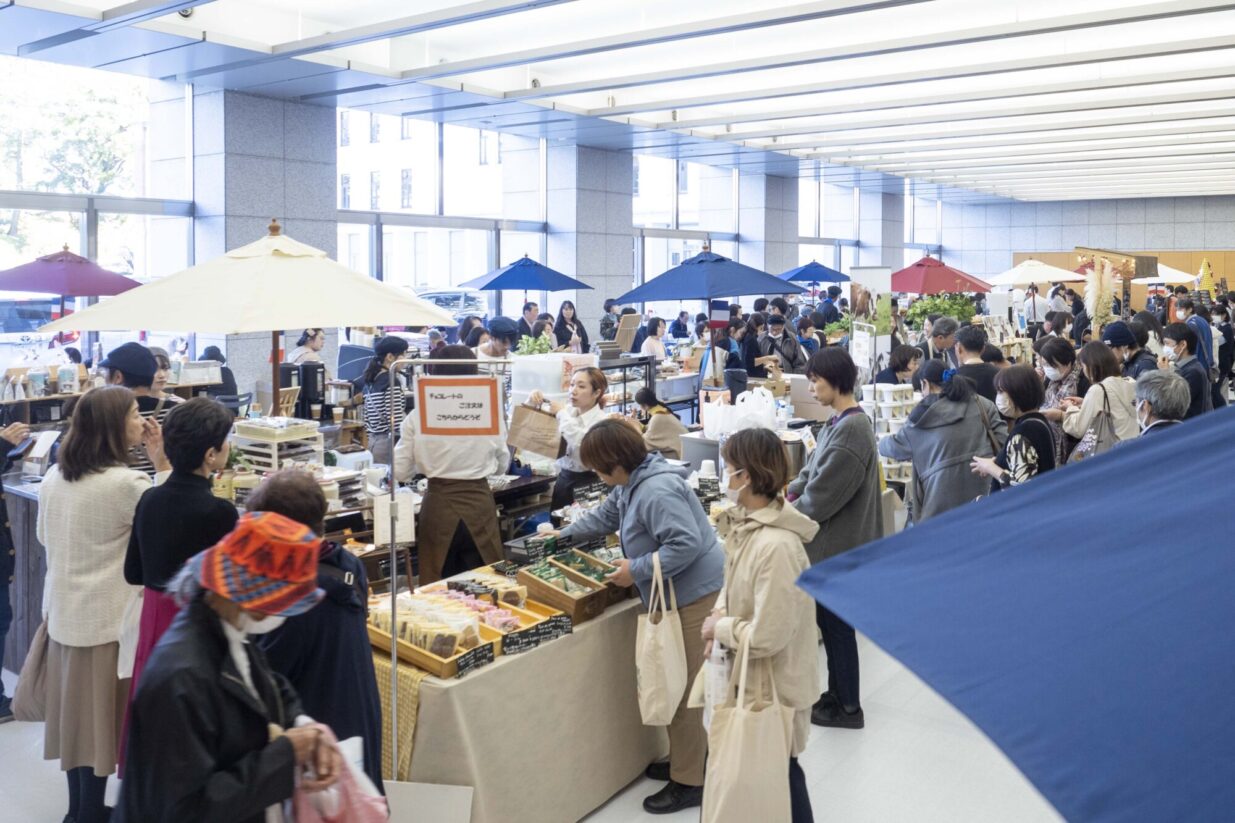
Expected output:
(458, 406)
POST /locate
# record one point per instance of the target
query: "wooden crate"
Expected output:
(444, 667)
(616, 593)
(579, 608)
(272, 455)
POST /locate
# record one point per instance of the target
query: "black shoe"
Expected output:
(6, 710)
(673, 798)
(658, 771)
(829, 714)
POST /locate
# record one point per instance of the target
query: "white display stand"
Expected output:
(878, 280)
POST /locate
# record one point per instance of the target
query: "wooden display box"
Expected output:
(444, 667)
(579, 608)
(616, 593)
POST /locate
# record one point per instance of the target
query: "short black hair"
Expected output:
(761, 305)
(192, 428)
(834, 292)
(780, 303)
(971, 339)
(1140, 332)
(1058, 352)
(134, 381)
(629, 310)
(902, 356)
(992, 354)
(453, 352)
(1181, 289)
(1181, 331)
(1022, 386)
(647, 397)
(609, 304)
(529, 306)
(834, 365)
(1185, 303)
(701, 317)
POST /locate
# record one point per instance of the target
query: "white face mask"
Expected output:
(1170, 354)
(1004, 405)
(733, 494)
(1053, 374)
(1142, 421)
(1180, 314)
(250, 625)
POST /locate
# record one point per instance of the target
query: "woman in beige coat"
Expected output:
(761, 604)
(663, 431)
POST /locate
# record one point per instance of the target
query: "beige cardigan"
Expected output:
(763, 605)
(663, 434)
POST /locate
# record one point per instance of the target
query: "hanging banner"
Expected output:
(458, 406)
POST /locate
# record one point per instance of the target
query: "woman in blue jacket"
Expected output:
(654, 511)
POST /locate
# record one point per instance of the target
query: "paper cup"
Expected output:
(707, 468)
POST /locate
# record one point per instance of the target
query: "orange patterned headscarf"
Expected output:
(268, 564)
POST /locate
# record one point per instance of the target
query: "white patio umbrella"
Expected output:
(273, 284)
(1033, 271)
(1168, 276)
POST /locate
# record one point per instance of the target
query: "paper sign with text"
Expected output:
(458, 406)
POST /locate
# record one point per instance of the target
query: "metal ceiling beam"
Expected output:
(1181, 176)
(1116, 166)
(1033, 158)
(1209, 166)
(414, 24)
(129, 14)
(1043, 61)
(961, 36)
(648, 37)
(976, 96)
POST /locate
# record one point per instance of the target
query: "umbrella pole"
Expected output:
(274, 373)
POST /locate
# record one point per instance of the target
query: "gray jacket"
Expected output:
(838, 488)
(792, 356)
(941, 437)
(658, 512)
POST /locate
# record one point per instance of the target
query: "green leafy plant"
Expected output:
(238, 460)
(842, 326)
(945, 305)
(534, 345)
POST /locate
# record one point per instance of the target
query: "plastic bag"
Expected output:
(756, 409)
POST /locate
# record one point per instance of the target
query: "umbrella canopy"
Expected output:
(814, 272)
(1167, 275)
(525, 274)
(708, 275)
(65, 274)
(273, 284)
(1101, 664)
(1032, 271)
(931, 276)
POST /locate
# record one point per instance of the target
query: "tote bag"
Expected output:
(1100, 437)
(749, 746)
(30, 698)
(660, 654)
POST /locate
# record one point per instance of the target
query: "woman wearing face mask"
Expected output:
(902, 363)
(1063, 379)
(1030, 449)
(944, 433)
(1108, 389)
(215, 733)
(1179, 344)
(838, 488)
(654, 511)
(85, 518)
(585, 410)
(761, 605)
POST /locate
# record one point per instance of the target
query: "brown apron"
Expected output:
(445, 504)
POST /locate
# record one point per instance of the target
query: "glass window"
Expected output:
(145, 248)
(416, 153)
(808, 208)
(430, 259)
(407, 128)
(653, 201)
(473, 174)
(375, 128)
(345, 191)
(345, 134)
(353, 250)
(705, 197)
(662, 254)
(405, 189)
(25, 235)
(683, 178)
(490, 148)
(375, 190)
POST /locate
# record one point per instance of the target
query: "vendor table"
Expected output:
(680, 390)
(547, 735)
(26, 584)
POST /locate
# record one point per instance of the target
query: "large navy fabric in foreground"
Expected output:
(1084, 621)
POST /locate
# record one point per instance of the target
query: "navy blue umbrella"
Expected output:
(814, 272)
(525, 274)
(708, 275)
(1100, 658)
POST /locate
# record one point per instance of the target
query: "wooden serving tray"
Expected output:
(579, 608)
(444, 667)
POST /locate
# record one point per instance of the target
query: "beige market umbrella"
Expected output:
(273, 284)
(1168, 276)
(1033, 271)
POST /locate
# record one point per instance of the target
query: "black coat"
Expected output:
(199, 742)
(561, 333)
(8, 550)
(1198, 386)
(173, 522)
(325, 655)
(1140, 363)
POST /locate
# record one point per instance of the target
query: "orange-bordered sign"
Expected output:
(458, 406)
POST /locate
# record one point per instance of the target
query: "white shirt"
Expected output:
(303, 354)
(573, 426)
(1058, 303)
(1036, 308)
(451, 458)
(654, 347)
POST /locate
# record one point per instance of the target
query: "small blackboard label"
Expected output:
(474, 659)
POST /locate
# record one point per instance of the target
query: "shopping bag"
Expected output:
(749, 746)
(352, 799)
(756, 409)
(30, 698)
(1100, 437)
(130, 631)
(660, 654)
(535, 431)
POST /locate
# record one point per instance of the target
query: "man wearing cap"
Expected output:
(133, 366)
(215, 733)
(1122, 340)
(785, 346)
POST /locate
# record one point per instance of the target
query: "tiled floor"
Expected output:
(917, 761)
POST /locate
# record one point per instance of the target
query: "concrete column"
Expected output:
(255, 158)
(590, 235)
(768, 222)
(881, 230)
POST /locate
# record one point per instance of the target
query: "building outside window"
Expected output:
(375, 190)
(375, 128)
(407, 127)
(683, 178)
(405, 189)
(345, 133)
(490, 148)
(345, 191)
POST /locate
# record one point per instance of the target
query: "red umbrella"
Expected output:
(931, 276)
(65, 274)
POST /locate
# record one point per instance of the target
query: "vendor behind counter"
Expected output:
(586, 408)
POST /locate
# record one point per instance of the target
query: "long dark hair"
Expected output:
(466, 325)
(752, 325)
(1151, 323)
(559, 327)
(307, 335)
(377, 364)
(96, 437)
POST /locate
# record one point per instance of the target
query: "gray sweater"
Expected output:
(838, 488)
(941, 438)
